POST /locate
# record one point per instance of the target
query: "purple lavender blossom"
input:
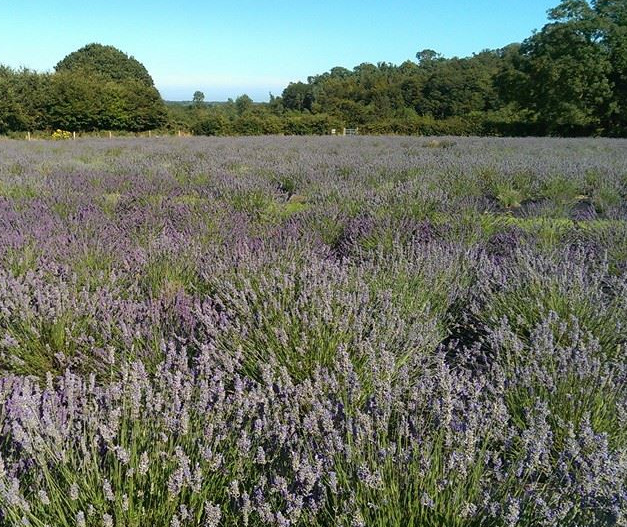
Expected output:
(381, 344)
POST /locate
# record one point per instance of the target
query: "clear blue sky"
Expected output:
(251, 46)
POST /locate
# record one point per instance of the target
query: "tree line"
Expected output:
(569, 78)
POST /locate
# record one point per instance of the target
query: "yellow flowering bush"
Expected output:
(61, 134)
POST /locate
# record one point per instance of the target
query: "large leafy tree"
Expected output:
(457, 87)
(75, 102)
(100, 87)
(27, 92)
(243, 104)
(107, 62)
(298, 96)
(198, 99)
(613, 23)
(11, 113)
(571, 74)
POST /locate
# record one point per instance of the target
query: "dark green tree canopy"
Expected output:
(243, 103)
(198, 98)
(571, 76)
(100, 87)
(428, 56)
(298, 96)
(107, 62)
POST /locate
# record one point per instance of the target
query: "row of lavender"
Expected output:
(319, 331)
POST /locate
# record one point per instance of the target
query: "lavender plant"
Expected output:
(313, 331)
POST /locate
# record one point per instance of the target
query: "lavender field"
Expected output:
(358, 331)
